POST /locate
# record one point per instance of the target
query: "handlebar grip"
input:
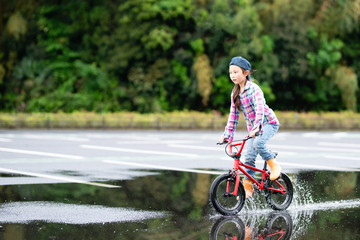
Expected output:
(248, 137)
(223, 142)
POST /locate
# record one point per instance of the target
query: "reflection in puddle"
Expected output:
(175, 205)
(277, 225)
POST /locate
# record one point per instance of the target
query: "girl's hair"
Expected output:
(236, 92)
(236, 96)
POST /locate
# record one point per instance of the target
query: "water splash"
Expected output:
(301, 210)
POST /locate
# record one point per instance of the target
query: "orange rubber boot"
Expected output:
(249, 190)
(248, 233)
(274, 168)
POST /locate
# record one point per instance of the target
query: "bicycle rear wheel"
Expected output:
(279, 225)
(278, 200)
(224, 202)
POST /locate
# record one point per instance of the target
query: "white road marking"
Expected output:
(311, 134)
(40, 153)
(340, 134)
(54, 137)
(147, 142)
(65, 179)
(137, 151)
(286, 153)
(5, 140)
(319, 167)
(313, 148)
(343, 158)
(196, 147)
(334, 144)
(162, 167)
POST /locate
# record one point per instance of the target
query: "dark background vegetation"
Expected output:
(172, 55)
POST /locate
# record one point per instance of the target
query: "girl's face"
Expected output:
(237, 74)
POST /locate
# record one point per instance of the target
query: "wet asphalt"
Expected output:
(67, 184)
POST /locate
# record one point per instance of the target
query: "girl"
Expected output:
(248, 98)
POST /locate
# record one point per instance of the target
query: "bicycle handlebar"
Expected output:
(229, 146)
(226, 140)
(223, 142)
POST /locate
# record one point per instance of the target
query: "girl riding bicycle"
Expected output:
(248, 98)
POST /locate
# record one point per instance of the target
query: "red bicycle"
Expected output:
(227, 193)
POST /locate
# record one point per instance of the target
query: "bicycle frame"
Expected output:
(238, 166)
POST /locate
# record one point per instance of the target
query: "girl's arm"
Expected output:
(259, 103)
(232, 122)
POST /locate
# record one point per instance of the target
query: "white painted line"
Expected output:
(141, 165)
(311, 134)
(334, 144)
(5, 140)
(343, 158)
(314, 148)
(61, 138)
(147, 142)
(286, 153)
(138, 151)
(65, 179)
(319, 167)
(196, 147)
(340, 134)
(40, 153)
(76, 139)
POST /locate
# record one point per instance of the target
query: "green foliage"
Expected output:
(198, 46)
(164, 55)
(346, 80)
(329, 53)
(204, 76)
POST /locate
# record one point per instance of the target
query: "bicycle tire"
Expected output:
(221, 201)
(228, 226)
(276, 200)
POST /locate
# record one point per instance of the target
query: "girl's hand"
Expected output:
(253, 132)
(221, 140)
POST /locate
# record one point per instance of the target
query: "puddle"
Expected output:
(175, 205)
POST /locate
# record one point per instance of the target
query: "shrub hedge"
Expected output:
(172, 120)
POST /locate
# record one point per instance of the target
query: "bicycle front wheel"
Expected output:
(278, 200)
(221, 196)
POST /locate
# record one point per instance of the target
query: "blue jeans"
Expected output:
(257, 146)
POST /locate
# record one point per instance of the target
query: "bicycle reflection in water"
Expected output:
(278, 225)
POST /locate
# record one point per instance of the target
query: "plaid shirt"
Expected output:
(254, 109)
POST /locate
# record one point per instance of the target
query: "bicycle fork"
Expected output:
(236, 187)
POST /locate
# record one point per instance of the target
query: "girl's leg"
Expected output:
(266, 154)
(259, 142)
(250, 156)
